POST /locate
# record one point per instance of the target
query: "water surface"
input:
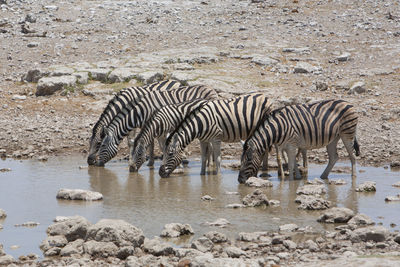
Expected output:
(28, 193)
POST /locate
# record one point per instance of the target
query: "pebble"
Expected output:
(207, 198)
(33, 44)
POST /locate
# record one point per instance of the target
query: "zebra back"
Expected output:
(234, 119)
(308, 126)
(165, 120)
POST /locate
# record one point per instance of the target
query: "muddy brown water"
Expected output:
(28, 193)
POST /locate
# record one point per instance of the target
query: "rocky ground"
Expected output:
(61, 63)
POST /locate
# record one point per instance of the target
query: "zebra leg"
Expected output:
(292, 164)
(281, 173)
(333, 157)
(204, 156)
(304, 154)
(348, 144)
(131, 139)
(216, 147)
(151, 154)
(264, 167)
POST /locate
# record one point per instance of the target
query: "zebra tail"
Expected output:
(356, 147)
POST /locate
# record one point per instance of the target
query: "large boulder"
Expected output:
(53, 241)
(203, 244)
(119, 232)
(75, 227)
(257, 198)
(34, 75)
(50, 85)
(360, 220)
(6, 260)
(336, 215)
(100, 249)
(234, 252)
(176, 230)
(121, 75)
(79, 194)
(74, 247)
(370, 233)
(216, 237)
(157, 248)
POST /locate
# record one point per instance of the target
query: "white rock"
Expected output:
(176, 230)
(221, 222)
(393, 198)
(257, 182)
(290, 227)
(358, 88)
(79, 194)
(49, 85)
(336, 215)
(366, 187)
(207, 198)
(304, 67)
(311, 190)
(18, 97)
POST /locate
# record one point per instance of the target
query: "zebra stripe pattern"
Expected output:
(229, 120)
(116, 104)
(163, 121)
(305, 127)
(135, 116)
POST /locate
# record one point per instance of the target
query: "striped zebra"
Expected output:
(135, 116)
(306, 127)
(228, 120)
(124, 97)
(164, 121)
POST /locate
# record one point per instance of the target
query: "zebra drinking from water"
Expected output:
(137, 115)
(164, 121)
(306, 127)
(228, 120)
(125, 97)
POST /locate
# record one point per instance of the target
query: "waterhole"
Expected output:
(28, 193)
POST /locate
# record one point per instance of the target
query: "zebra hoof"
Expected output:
(150, 164)
(185, 162)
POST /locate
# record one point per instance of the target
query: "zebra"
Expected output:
(116, 104)
(228, 120)
(303, 126)
(135, 116)
(163, 121)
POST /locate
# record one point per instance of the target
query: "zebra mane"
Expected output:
(109, 105)
(183, 121)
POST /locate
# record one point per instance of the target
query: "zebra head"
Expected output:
(172, 157)
(108, 148)
(138, 155)
(250, 161)
(98, 135)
